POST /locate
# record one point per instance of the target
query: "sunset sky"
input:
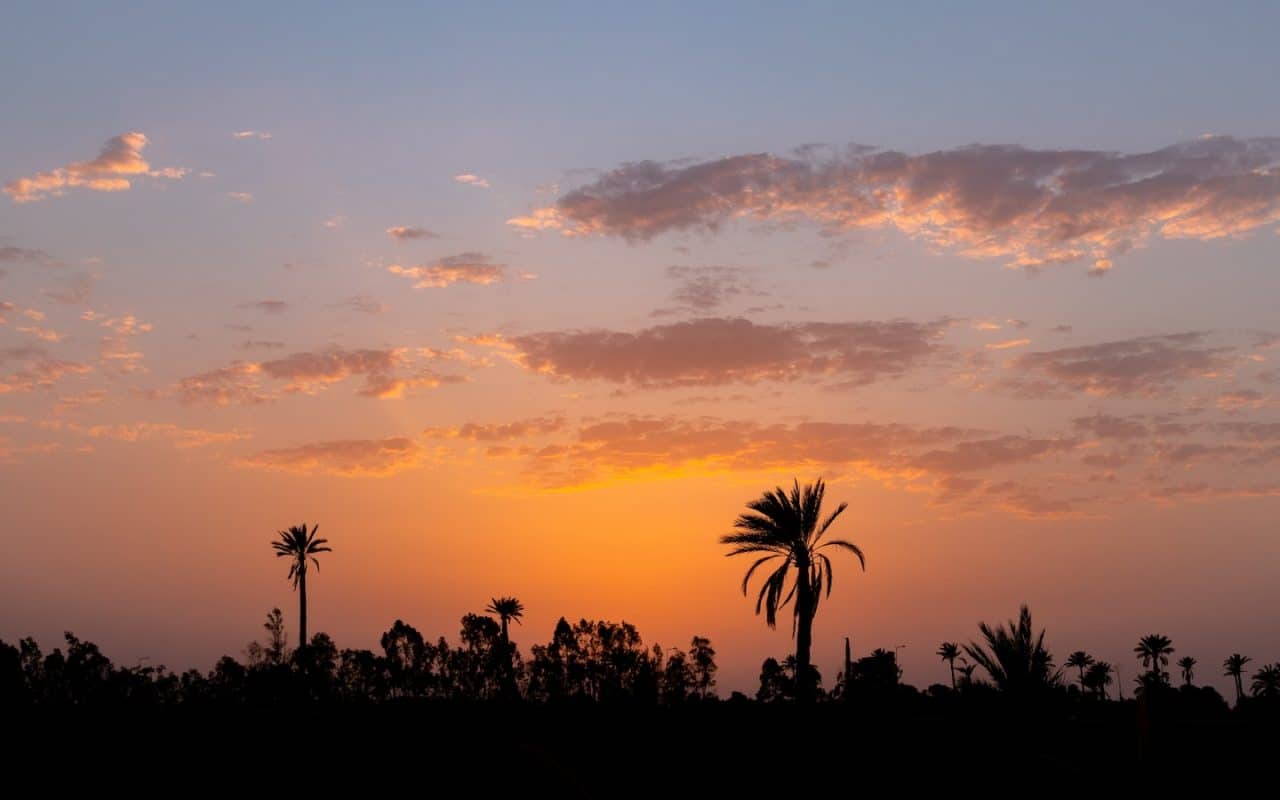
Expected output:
(531, 301)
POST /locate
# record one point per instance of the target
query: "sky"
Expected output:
(532, 301)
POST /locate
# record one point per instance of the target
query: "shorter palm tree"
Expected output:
(1188, 666)
(1081, 661)
(1154, 650)
(1234, 666)
(949, 652)
(1098, 678)
(1015, 656)
(1266, 681)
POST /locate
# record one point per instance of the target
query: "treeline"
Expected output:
(587, 662)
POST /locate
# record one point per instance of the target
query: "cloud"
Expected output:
(402, 233)
(1008, 344)
(712, 351)
(309, 372)
(499, 432)
(1105, 426)
(116, 348)
(73, 290)
(470, 267)
(13, 254)
(237, 384)
(988, 453)
(362, 303)
(1140, 367)
(346, 458)
(1029, 207)
(269, 306)
(241, 197)
(704, 289)
(260, 344)
(181, 437)
(118, 163)
(334, 222)
(472, 180)
(35, 369)
(251, 135)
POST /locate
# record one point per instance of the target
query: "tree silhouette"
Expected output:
(300, 547)
(1234, 666)
(506, 608)
(1081, 661)
(1154, 650)
(790, 528)
(1015, 657)
(1266, 681)
(1188, 666)
(1098, 678)
(949, 652)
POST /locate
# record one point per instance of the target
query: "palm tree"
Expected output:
(790, 528)
(1234, 666)
(1266, 681)
(1081, 661)
(300, 547)
(1015, 657)
(1188, 666)
(506, 608)
(966, 672)
(949, 652)
(1154, 649)
(1098, 678)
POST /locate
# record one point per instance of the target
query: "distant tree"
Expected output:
(506, 609)
(1154, 650)
(1015, 656)
(949, 652)
(1266, 681)
(677, 676)
(1188, 665)
(1081, 661)
(790, 527)
(1234, 666)
(702, 658)
(1098, 678)
(966, 672)
(775, 684)
(276, 650)
(301, 548)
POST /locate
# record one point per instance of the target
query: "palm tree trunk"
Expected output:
(1082, 676)
(952, 662)
(302, 610)
(804, 633)
(1239, 689)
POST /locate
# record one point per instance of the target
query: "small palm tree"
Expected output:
(790, 527)
(949, 652)
(1234, 666)
(506, 609)
(966, 672)
(1098, 678)
(300, 547)
(1266, 681)
(1154, 650)
(1188, 666)
(1015, 656)
(1081, 661)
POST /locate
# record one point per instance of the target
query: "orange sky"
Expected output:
(503, 330)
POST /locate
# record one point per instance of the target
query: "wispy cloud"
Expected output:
(346, 458)
(118, 163)
(470, 267)
(268, 306)
(472, 180)
(404, 233)
(251, 135)
(1029, 207)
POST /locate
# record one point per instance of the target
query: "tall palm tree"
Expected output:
(1098, 678)
(790, 527)
(1081, 661)
(1266, 681)
(1188, 666)
(949, 652)
(1234, 666)
(1015, 657)
(506, 608)
(1154, 650)
(299, 547)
